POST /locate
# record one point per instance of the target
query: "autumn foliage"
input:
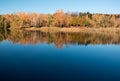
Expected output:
(59, 19)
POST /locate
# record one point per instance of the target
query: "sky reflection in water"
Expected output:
(59, 57)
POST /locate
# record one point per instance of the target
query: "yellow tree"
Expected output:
(43, 20)
(59, 17)
(67, 19)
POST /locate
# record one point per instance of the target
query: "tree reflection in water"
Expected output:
(59, 39)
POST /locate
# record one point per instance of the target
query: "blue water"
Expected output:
(45, 62)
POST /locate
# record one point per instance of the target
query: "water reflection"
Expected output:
(43, 62)
(60, 38)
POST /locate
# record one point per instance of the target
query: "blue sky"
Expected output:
(50, 6)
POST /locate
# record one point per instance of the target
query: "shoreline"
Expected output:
(57, 29)
(72, 29)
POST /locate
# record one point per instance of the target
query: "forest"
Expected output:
(59, 19)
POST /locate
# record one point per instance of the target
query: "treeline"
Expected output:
(59, 19)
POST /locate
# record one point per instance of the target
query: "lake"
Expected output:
(39, 56)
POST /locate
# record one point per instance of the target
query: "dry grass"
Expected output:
(57, 29)
(75, 29)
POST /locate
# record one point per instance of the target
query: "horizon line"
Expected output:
(57, 10)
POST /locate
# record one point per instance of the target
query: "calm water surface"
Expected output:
(37, 56)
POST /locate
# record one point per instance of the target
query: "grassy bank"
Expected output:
(75, 29)
(57, 29)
